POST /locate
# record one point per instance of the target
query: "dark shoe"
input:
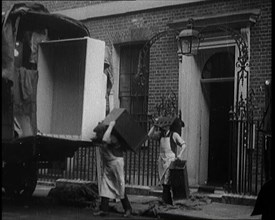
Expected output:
(128, 213)
(100, 213)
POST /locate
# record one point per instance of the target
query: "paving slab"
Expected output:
(194, 208)
(212, 211)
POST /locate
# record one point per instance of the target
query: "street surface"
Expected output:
(37, 209)
(39, 206)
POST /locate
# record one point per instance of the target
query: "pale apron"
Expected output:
(166, 156)
(112, 183)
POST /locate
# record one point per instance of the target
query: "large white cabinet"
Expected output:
(71, 87)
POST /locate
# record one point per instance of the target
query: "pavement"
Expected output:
(192, 208)
(197, 206)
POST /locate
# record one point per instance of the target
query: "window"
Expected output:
(217, 70)
(133, 95)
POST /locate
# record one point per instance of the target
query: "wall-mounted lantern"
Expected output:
(188, 40)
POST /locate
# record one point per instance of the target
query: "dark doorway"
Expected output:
(218, 82)
(221, 96)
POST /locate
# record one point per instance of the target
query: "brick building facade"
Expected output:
(132, 24)
(141, 25)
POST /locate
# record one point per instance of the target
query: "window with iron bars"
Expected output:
(133, 88)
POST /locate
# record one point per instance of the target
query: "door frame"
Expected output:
(191, 104)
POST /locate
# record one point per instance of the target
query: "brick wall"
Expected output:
(163, 58)
(53, 5)
(261, 55)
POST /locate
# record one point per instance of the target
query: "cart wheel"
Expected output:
(29, 178)
(30, 184)
(20, 179)
(11, 179)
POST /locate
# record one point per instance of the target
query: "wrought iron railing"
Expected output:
(248, 146)
(140, 167)
(247, 149)
(81, 166)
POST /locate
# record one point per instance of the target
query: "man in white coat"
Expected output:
(169, 140)
(112, 182)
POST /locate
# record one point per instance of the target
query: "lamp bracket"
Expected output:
(242, 63)
(142, 68)
(237, 36)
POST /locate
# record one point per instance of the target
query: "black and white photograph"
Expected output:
(137, 109)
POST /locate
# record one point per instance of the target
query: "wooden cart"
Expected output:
(53, 91)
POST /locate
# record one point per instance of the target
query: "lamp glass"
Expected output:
(189, 42)
(186, 45)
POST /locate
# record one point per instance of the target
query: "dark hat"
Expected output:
(177, 125)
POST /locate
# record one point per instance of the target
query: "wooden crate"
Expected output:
(127, 128)
(164, 121)
(71, 87)
(179, 180)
